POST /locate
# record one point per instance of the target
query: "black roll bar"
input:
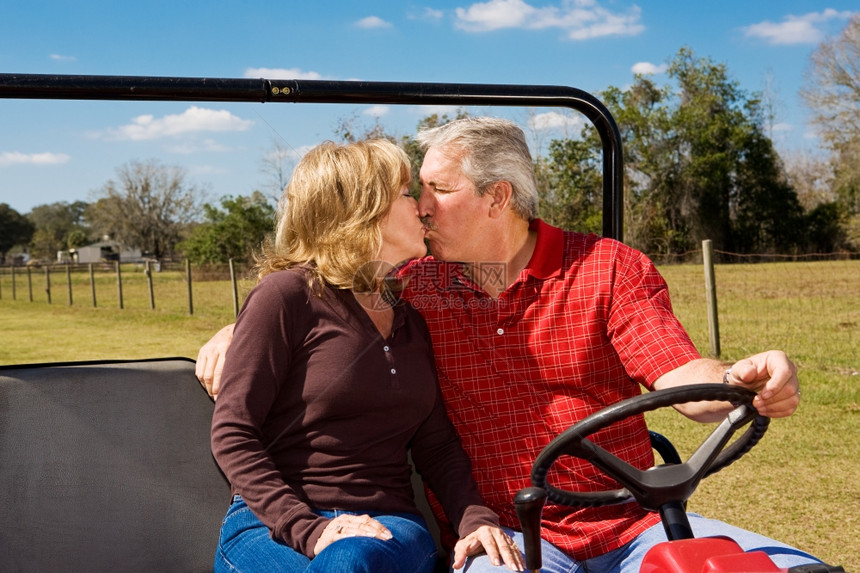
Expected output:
(149, 88)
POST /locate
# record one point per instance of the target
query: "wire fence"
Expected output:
(728, 257)
(113, 283)
(110, 283)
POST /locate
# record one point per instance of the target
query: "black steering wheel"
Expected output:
(664, 488)
(656, 486)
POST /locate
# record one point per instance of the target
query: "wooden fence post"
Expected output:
(188, 280)
(148, 272)
(711, 293)
(69, 281)
(235, 290)
(48, 282)
(119, 284)
(93, 284)
(30, 283)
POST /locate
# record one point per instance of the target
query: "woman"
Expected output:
(329, 381)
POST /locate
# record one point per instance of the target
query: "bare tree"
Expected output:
(770, 103)
(832, 86)
(353, 128)
(832, 90)
(810, 175)
(277, 165)
(149, 206)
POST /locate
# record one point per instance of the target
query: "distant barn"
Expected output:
(99, 252)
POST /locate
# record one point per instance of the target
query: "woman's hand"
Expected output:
(498, 546)
(210, 360)
(350, 526)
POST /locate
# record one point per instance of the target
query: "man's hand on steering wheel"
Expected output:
(773, 377)
(770, 374)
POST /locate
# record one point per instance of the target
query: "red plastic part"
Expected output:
(706, 555)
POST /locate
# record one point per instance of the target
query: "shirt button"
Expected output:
(393, 371)
(500, 331)
(385, 348)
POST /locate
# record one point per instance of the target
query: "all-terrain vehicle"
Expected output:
(106, 465)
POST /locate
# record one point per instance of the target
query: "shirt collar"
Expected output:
(549, 250)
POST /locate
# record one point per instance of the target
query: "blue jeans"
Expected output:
(247, 546)
(628, 558)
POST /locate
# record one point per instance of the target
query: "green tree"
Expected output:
(55, 224)
(697, 164)
(76, 238)
(708, 119)
(571, 185)
(826, 230)
(15, 229)
(148, 207)
(767, 215)
(652, 164)
(235, 231)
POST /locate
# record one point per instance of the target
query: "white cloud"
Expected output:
(194, 119)
(377, 111)
(432, 14)
(648, 69)
(61, 58)
(804, 29)
(578, 19)
(17, 158)
(281, 74)
(789, 32)
(373, 22)
(782, 127)
(495, 14)
(554, 120)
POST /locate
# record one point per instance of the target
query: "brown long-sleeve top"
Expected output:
(317, 410)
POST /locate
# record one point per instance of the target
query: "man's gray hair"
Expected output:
(490, 150)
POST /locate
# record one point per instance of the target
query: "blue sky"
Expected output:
(66, 150)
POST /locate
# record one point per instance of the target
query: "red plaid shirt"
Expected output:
(586, 322)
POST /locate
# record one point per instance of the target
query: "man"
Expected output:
(535, 328)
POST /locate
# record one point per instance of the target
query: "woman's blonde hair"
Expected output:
(330, 214)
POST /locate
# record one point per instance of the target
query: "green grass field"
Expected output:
(800, 485)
